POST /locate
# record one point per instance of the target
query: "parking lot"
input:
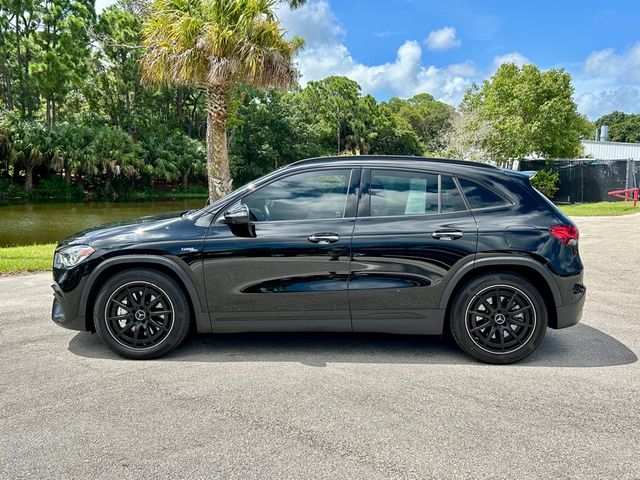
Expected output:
(329, 405)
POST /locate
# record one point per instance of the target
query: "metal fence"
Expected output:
(588, 180)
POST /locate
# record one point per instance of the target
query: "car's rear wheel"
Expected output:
(498, 318)
(141, 314)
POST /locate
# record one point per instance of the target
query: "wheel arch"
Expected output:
(199, 318)
(524, 267)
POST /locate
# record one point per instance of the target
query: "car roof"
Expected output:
(443, 164)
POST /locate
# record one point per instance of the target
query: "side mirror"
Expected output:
(238, 214)
(239, 220)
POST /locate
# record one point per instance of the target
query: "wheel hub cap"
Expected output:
(141, 315)
(499, 319)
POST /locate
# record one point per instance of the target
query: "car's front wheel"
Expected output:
(141, 314)
(498, 318)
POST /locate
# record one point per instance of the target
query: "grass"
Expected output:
(600, 209)
(27, 258)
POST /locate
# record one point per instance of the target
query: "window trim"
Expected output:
(365, 206)
(351, 204)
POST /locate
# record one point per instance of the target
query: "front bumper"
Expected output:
(64, 311)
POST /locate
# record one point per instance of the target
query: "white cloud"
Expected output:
(609, 64)
(608, 82)
(102, 4)
(315, 22)
(443, 39)
(512, 57)
(325, 54)
(596, 103)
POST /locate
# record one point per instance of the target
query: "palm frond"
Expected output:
(217, 42)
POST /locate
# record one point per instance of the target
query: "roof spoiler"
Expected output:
(529, 174)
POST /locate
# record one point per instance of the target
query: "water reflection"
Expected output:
(26, 224)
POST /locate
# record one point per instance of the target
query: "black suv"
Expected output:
(355, 244)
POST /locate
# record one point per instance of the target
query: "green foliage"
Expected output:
(429, 118)
(216, 42)
(76, 118)
(530, 112)
(216, 45)
(623, 127)
(56, 187)
(104, 160)
(266, 131)
(546, 181)
(346, 122)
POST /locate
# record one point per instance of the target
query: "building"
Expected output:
(603, 150)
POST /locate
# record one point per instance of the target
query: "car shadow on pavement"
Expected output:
(579, 346)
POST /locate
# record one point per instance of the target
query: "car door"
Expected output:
(413, 230)
(292, 273)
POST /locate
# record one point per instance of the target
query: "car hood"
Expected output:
(118, 234)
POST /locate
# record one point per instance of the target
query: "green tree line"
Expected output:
(89, 104)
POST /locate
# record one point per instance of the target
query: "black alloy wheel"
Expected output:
(141, 314)
(498, 317)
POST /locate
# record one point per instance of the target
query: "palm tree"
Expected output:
(215, 45)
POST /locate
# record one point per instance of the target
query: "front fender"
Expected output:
(182, 271)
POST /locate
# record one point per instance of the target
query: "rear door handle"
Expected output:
(447, 234)
(324, 238)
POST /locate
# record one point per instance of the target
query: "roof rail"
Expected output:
(373, 158)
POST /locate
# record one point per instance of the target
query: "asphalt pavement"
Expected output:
(329, 405)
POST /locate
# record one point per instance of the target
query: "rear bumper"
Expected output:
(573, 294)
(569, 315)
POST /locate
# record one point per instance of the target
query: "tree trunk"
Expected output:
(48, 114)
(28, 178)
(217, 155)
(179, 103)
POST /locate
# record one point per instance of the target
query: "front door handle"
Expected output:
(447, 234)
(324, 238)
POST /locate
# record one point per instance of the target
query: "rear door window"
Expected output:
(398, 193)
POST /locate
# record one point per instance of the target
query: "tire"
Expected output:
(498, 331)
(141, 314)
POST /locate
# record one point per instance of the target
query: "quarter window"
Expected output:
(395, 193)
(304, 196)
(451, 198)
(479, 196)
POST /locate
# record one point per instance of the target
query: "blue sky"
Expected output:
(404, 47)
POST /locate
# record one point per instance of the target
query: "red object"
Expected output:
(567, 234)
(627, 194)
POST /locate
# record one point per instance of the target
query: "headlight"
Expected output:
(71, 256)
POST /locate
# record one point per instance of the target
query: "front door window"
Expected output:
(315, 195)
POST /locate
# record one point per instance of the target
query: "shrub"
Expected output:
(546, 181)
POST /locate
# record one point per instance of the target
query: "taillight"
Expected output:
(567, 234)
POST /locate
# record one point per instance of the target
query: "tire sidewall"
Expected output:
(176, 297)
(470, 290)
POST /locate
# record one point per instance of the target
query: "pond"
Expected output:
(27, 224)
